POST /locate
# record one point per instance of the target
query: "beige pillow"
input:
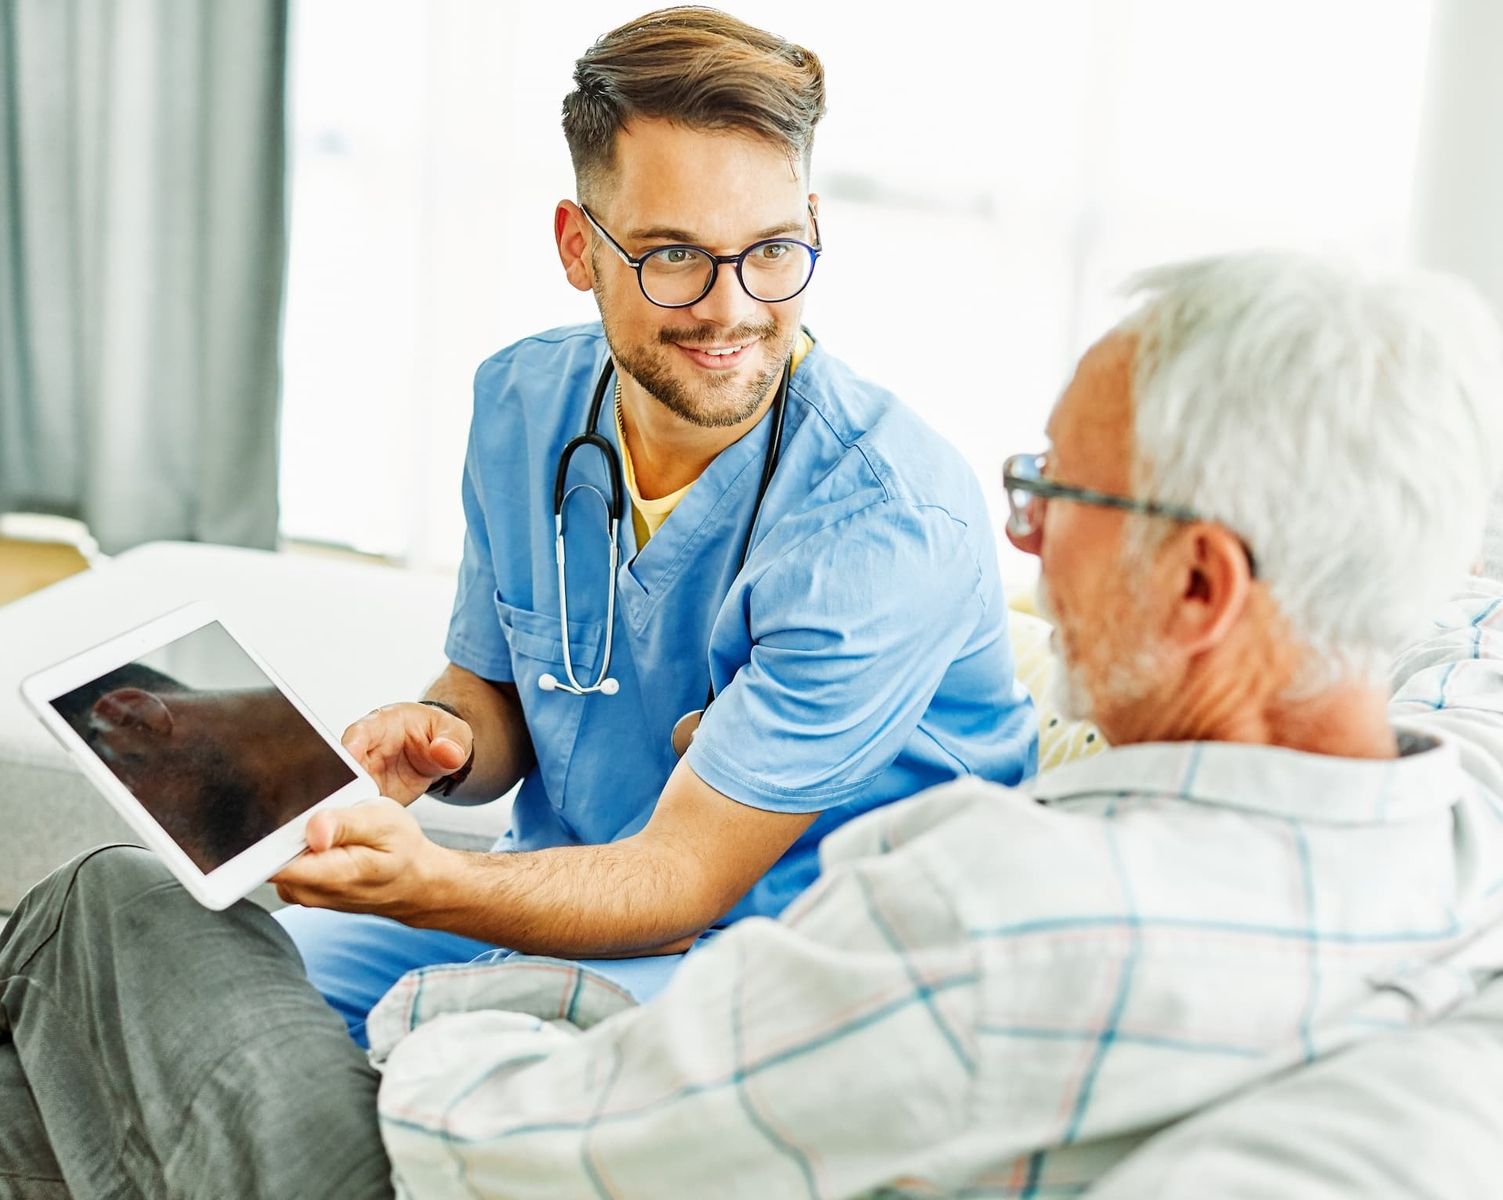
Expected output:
(1060, 740)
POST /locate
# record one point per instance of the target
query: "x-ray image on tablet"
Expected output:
(208, 744)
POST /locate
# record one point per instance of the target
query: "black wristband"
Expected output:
(444, 785)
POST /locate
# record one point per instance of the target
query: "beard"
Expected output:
(716, 402)
(1126, 679)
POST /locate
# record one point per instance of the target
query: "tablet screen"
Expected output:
(207, 743)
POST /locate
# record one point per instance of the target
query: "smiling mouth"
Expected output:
(716, 358)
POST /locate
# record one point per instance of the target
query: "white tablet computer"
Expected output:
(202, 749)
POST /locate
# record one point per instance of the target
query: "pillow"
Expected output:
(1060, 740)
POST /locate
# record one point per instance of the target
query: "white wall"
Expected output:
(1458, 205)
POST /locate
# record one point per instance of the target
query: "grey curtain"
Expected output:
(142, 264)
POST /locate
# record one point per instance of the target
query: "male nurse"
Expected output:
(760, 598)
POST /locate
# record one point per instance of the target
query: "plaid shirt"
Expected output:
(994, 992)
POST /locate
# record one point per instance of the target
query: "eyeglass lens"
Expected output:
(770, 272)
(1024, 506)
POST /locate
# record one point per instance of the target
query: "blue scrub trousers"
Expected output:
(354, 958)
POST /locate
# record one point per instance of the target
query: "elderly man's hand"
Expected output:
(407, 747)
(371, 858)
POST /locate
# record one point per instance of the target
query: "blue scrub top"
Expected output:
(860, 656)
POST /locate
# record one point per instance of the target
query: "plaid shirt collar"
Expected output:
(1426, 777)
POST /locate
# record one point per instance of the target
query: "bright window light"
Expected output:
(988, 176)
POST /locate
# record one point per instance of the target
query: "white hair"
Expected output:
(1346, 425)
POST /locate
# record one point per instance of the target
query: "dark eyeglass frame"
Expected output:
(716, 260)
(1024, 473)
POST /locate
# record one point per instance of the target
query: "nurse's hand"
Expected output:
(408, 747)
(371, 858)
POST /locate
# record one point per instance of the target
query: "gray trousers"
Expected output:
(150, 1048)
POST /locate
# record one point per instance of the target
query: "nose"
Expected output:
(726, 304)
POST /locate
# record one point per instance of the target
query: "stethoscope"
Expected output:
(615, 509)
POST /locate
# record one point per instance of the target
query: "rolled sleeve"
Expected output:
(852, 633)
(549, 990)
(757, 1039)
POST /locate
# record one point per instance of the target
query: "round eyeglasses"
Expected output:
(677, 276)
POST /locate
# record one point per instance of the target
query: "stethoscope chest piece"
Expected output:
(684, 730)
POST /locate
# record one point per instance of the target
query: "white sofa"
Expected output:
(346, 635)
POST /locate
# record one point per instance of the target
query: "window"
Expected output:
(1030, 155)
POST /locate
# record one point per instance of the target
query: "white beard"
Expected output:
(1125, 681)
(1066, 692)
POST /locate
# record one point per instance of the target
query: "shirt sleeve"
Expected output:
(852, 631)
(753, 1049)
(476, 640)
(1412, 1115)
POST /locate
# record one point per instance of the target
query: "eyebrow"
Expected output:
(668, 233)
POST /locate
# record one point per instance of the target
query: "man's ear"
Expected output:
(571, 233)
(1213, 580)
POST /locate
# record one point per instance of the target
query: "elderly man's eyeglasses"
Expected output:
(676, 276)
(1028, 492)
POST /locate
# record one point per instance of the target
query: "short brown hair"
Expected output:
(698, 67)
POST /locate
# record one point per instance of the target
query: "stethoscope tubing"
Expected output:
(615, 507)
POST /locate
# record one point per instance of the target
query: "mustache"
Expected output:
(710, 335)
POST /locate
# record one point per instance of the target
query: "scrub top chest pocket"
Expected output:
(552, 716)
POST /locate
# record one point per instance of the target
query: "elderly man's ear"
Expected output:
(1210, 580)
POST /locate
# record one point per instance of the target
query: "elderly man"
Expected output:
(1255, 488)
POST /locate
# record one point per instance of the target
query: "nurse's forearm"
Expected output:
(617, 900)
(651, 893)
(503, 749)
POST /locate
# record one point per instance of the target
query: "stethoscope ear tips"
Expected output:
(548, 682)
(609, 687)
